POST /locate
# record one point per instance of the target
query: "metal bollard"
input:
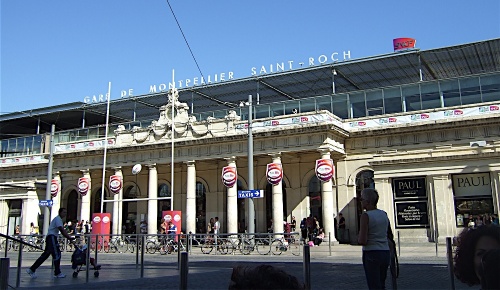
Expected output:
(399, 246)
(307, 266)
(143, 247)
(87, 258)
(184, 271)
(178, 251)
(137, 245)
(19, 261)
(330, 243)
(4, 273)
(449, 254)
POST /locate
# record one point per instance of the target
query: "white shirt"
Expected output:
(54, 226)
(216, 227)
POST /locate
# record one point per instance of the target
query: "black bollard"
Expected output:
(4, 272)
(449, 254)
(307, 266)
(184, 271)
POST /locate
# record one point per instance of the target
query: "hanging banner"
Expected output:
(229, 176)
(175, 217)
(83, 185)
(274, 173)
(115, 184)
(324, 169)
(54, 187)
(101, 225)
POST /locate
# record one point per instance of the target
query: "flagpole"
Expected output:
(105, 148)
(172, 153)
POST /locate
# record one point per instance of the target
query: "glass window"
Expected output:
(374, 99)
(205, 115)
(430, 95)
(277, 109)
(164, 190)
(37, 144)
(324, 103)
(490, 88)
(470, 91)
(392, 100)
(308, 105)
(201, 208)
(412, 98)
(340, 107)
(221, 114)
(261, 111)
(358, 106)
(450, 91)
(292, 107)
(28, 145)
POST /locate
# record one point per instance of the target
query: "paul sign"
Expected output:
(229, 176)
(324, 169)
(274, 173)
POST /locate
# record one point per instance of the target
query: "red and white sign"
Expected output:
(101, 228)
(175, 217)
(83, 185)
(54, 187)
(403, 43)
(324, 169)
(229, 176)
(115, 184)
(274, 173)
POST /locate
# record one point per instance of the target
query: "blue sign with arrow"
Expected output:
(254, 193)
(49, 202)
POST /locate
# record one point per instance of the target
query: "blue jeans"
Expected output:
(376, 264)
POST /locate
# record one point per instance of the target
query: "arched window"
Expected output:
(129, 210)
(364, 179)
(163, 204)
(201, 208)
(96, 206)
(315, 203)
(72, 206)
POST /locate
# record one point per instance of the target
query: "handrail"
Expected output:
(20, 241)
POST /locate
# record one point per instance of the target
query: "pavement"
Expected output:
(335, 267)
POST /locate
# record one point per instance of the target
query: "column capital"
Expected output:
(231, 159)
(190, 163)
(117, 168)
(151, 165)
(85, 171)
(324, 149)
(275, 155)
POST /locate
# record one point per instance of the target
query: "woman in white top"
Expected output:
(373, 236)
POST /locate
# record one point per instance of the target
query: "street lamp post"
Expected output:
(251, 209)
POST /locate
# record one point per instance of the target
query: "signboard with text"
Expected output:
(411, 214)
(409, 187)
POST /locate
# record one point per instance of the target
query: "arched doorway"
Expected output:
(364, 179)
(129, 210)
(72, 206)
(163, 204)
(315, 204)
(96, 205)
(201, 208)
(268, 195)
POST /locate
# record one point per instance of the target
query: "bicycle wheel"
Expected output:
(151, 247)
(207, 248)
(131, 247)
(113, 248)
(105, 247)
(294, 248)
(277, 247)
(245, 247)
(222, 247)
(262, 248)
(121, 246)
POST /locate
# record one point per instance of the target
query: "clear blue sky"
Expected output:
(58, 51)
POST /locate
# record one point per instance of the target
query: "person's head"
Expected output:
(293, 218)
(369, 198)
(472, 245)
(216, 218)
(262, 277)
(490, 267)
(32, 224)
(340, 214)
(62, 212)
(211, 220)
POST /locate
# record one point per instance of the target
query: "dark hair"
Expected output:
(370, 195)
(263, 277)
(490, 267)
(464, 254)
(61, 210)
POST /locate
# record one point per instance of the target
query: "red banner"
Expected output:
(83, 185)
(229, 176)
(101, 225)
(403, 43)
(324, 169)
(115, 184)
(54, 187)
(175, 217)
(274, 173)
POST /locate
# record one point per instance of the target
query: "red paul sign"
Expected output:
(274, 173)
(324, 169)
(229, 176)
(83, 185)
(403, 43)
(115, 183)
(54, 187)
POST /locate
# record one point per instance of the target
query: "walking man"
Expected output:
(52, 246)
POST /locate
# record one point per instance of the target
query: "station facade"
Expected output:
(426, 137)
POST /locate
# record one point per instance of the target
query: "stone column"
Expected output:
(54, 211)
(30, 210)
(152, 201)
(442, 207)
(328, 202)
(117, 203)
(4, 216)
(85, 210)
(232, 202)
(191, 198)
(277, 200)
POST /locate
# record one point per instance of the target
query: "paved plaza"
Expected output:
(420, 269)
